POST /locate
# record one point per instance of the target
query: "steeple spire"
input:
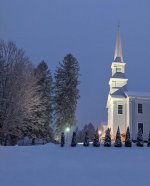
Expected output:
(118, 56)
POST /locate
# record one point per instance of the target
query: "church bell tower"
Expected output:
(118, 81)
(116, 103)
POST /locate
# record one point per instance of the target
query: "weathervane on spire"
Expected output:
(118, 56)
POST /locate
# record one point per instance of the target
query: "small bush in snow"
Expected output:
(139, 142)
(118, 142)
(74, 140)
(128, 142)
(96, 142)
(86, 140)
(107, 140)
(148, 143)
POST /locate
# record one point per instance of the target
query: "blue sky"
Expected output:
(49, 29)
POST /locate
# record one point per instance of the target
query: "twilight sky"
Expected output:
(49, 29)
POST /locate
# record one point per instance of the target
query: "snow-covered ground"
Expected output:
(50, 165)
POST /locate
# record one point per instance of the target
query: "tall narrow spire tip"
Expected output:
(118, 56)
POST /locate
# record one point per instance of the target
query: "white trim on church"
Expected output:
(126, 108)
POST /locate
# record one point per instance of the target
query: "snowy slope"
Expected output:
(50, 165)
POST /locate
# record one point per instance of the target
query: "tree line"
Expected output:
(33, 102)
(96, 139)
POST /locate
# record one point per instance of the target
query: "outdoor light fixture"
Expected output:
(100, 132)
(67, 129)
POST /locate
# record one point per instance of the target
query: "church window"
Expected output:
(120, 109)
(118, 69)
(140, 126)
(140, 108)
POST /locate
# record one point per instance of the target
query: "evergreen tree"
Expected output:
(128, 142)
(74, 140)
(96, 142)
(44, 81)
(86, 140)
(66, 92)
(118, 142)
(148, 143)
(139, 142)
(80, 136)
(91, 131)
(107, 140)
(62, 143)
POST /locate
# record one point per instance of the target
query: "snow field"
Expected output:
(51, 165)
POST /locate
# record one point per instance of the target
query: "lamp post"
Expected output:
(67, 130)
(99, 134)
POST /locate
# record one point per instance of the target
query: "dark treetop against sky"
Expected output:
(49, 29)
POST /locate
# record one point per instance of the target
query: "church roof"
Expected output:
(137, 94)
(120, 92)
(119, 75)
(118, 56)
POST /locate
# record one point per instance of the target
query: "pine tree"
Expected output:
(139, 142)
(148, 143)
(44, 81)
(80, 136)
(86, 140)
(96, 142)
(128, 142)
(74, 140)
(118, 142)
(107, 140)
(91, 131)
(66, 92)
(62, 143)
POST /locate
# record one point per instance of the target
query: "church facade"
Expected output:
(126, 108)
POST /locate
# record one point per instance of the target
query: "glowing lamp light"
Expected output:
(67, 129)
(100, 132)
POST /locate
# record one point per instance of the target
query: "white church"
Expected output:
(126, 108)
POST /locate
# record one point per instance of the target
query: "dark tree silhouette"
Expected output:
(139, 142)
(107, 140)
(148, 143)
(74, 140)
(118, 142)
(86, 140)
(96, 142)
(66, 92)
(128, 142)
(62, 139)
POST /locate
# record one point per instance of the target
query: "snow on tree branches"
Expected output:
(139, 142)
(96, 142)
(128, 142)
(107, 140)
(44, 82)
(118, 142)
(66, 92)
(23, 94)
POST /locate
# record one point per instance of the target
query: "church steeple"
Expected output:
(118, 80)
(118, 56)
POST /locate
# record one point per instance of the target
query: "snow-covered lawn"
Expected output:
(50, 165)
